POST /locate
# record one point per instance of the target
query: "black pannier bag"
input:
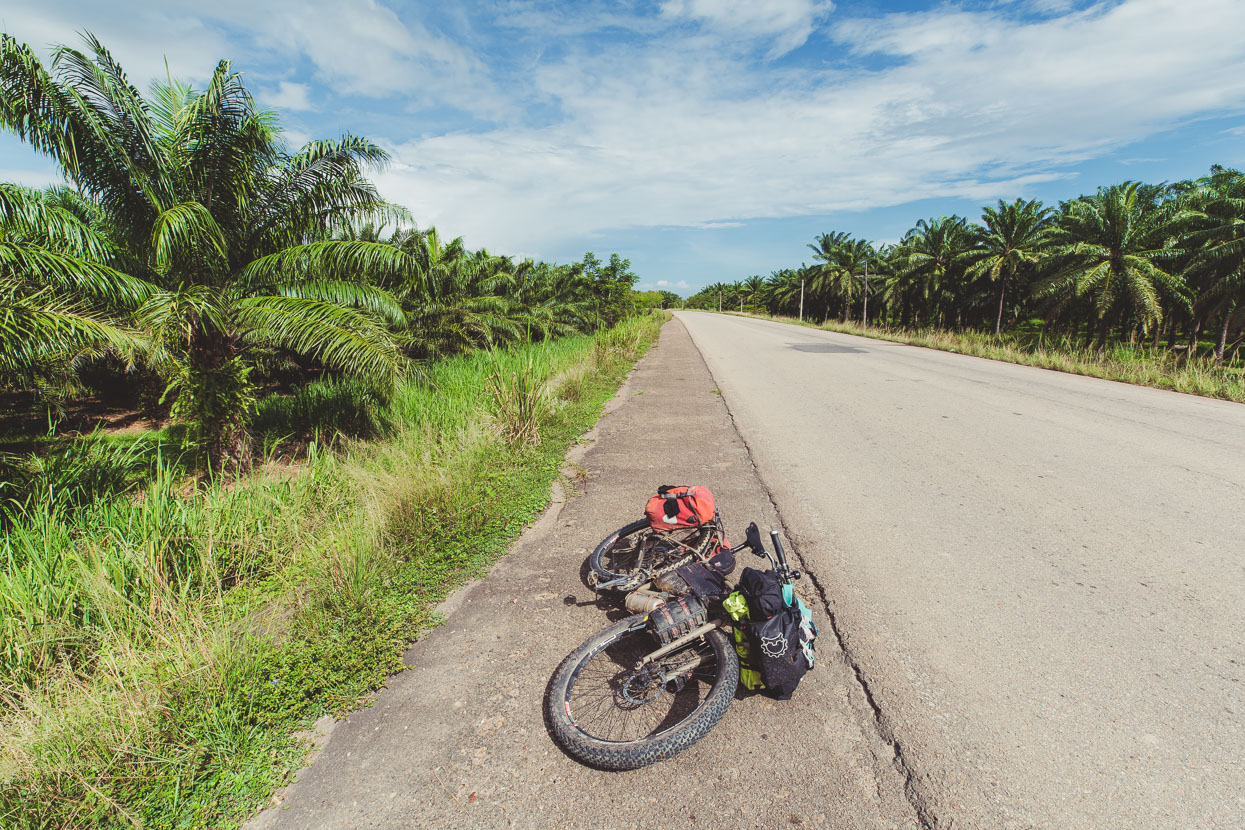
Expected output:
(780, 632)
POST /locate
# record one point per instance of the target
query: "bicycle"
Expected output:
(617, 702)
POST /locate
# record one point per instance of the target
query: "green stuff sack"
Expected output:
(737, 607)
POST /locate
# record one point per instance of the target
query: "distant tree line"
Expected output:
(1155, 265)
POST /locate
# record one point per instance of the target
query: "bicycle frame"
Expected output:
(777, 563)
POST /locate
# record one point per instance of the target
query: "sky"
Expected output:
(705, 140)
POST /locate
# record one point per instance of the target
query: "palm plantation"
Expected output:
(240, 299)
(1111, 248)
(1131, 259)
(215, 251)
(1219, 239)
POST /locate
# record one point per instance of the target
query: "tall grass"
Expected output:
(81, 470)
(1130, 363)
(158, 649)
(520, 400)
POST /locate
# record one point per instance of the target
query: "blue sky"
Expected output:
(707, 140)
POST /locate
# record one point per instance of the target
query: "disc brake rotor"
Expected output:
(641, 687)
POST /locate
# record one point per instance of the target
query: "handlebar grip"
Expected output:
(778, 548)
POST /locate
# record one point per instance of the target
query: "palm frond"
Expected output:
(335, 260)
(40, 217)
(187, 235)
(352, 294)
(39, 328)
(40, 265)
(342, 338)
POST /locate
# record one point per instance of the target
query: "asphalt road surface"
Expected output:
(1039, 577)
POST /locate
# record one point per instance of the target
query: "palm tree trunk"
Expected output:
(219, 396)
(1223, 333)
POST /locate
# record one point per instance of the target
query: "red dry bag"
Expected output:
(679, 505)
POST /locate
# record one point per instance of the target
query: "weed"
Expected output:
(520, 400)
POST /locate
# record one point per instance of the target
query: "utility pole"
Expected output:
(864, 315)
(801, 299)
(741, 304)
(719, 301)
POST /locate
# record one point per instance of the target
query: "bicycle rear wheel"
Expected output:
(606, 713)
(636, 547)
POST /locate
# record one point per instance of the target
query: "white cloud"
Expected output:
(787, 22)
(289, 96)
(974, 104)
(357, 47)
(659, 127)
(664, 285)
(139, 40)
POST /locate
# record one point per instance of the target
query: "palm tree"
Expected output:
(1014, 237)
(1220, 240)
(1108, 246)
(753, 289)
(830, 279)
(782, 290)
(228, 230)
(720, 294)
(930, 258)
(878, 266)
(854, 257)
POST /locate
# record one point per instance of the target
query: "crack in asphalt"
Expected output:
(911, 788)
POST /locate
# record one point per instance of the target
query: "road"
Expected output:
(1039, 577)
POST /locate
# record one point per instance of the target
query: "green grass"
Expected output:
(159, 650)
(1137, 364)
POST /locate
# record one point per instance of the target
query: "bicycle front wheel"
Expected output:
(609, 714)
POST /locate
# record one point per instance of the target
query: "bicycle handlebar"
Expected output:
(755, 545)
